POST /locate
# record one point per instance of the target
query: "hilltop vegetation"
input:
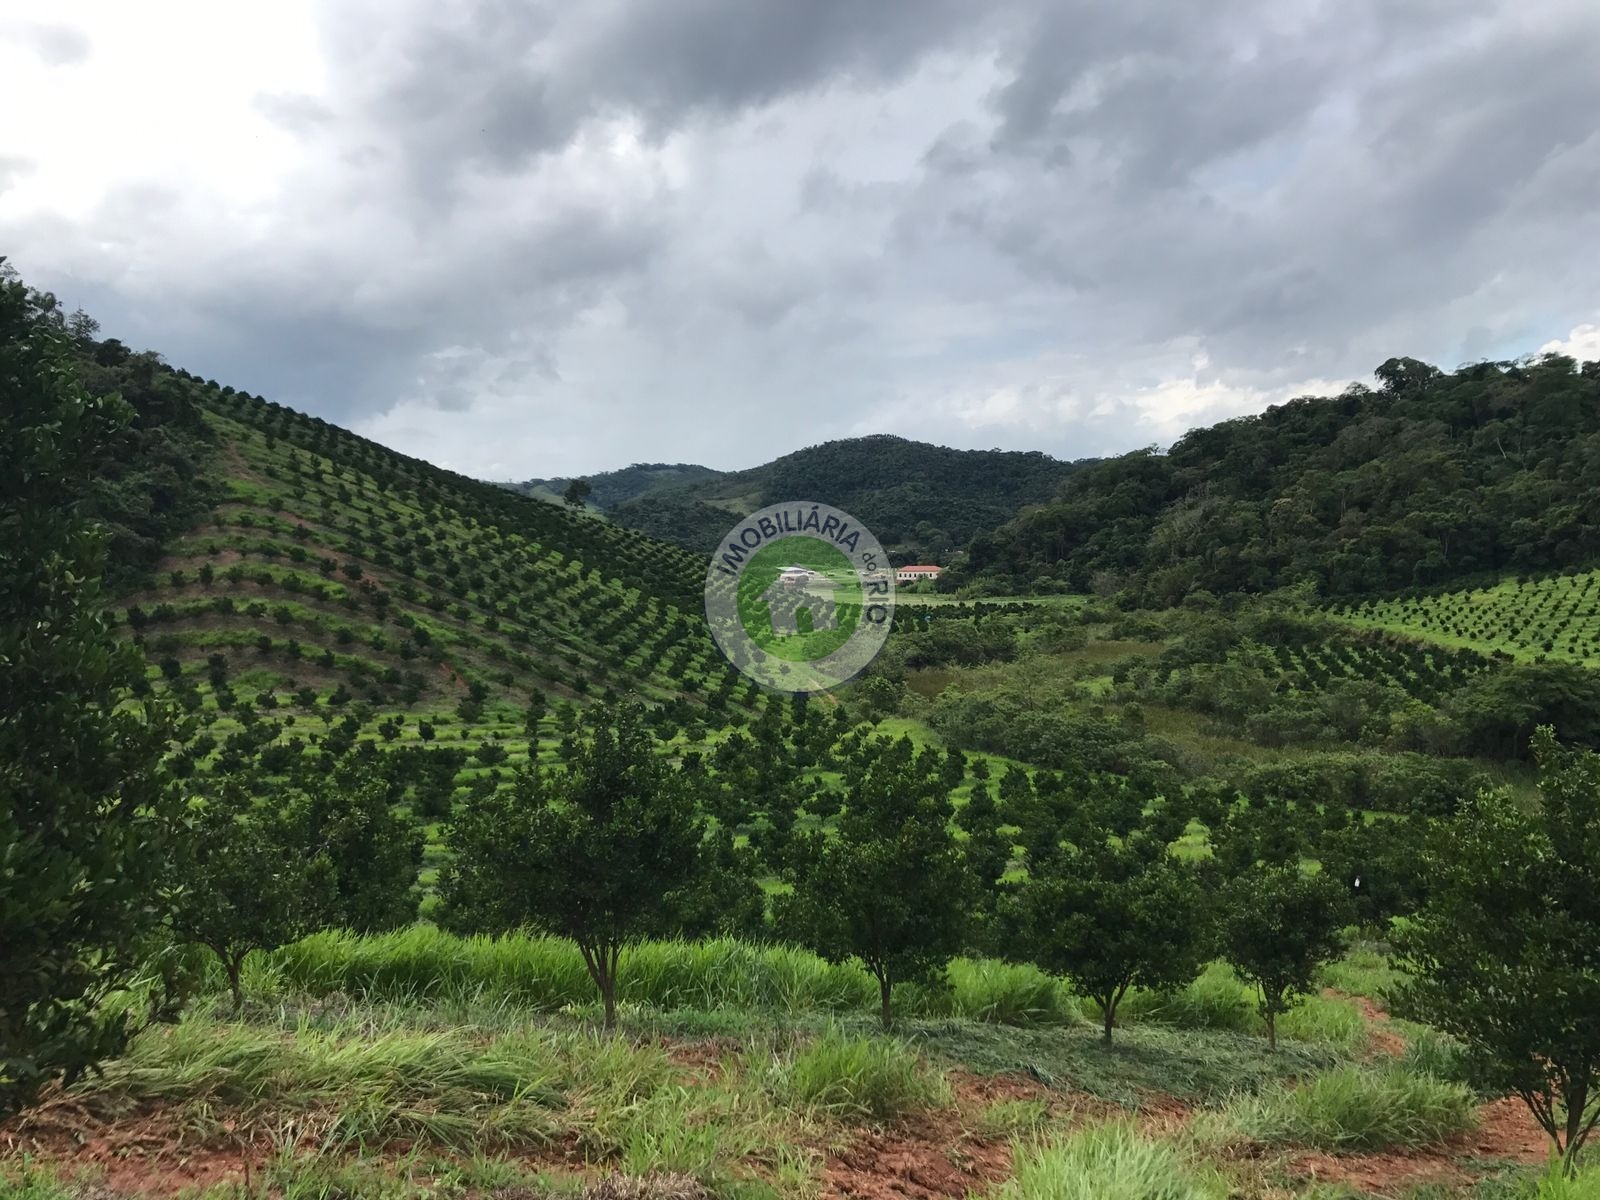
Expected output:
(611, 488)
(1432, 477)
(921, 501)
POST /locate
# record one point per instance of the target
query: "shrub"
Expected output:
(1358, 1108)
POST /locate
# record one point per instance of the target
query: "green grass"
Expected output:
(849, 1076)
(1357, 1108)
(1197, 1065)
(547, 975)
(1218, 1000)
(1429, 1052)
(352, 1085)
(1555, 1184)
(363, 1079)
(1364, 970)
(1106, 1162)
(30, 1181)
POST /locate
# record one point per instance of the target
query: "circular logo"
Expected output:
(799, 596)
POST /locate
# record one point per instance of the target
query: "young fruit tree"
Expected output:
(250, 879)
(611, 849)
(87, 812)
(889, 885)
(1505, 954)
(349, 814)
(1278, 924)
(1109, 915)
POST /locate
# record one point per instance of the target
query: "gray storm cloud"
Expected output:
(530, 240)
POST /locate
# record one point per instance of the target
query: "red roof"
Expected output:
(934, 569)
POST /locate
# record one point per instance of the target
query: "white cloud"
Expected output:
(1583, 344)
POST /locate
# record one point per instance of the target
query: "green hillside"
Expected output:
(611, 488)
(922, 501)
(1531, 619)
(1432, 477)
(333, 573)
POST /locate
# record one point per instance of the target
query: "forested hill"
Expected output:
(611, 488)
(1430, 478)
(922, 501)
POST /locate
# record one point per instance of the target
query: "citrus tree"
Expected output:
(1505, 954)
(86, 809)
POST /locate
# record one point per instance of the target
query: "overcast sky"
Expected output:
(528, 239)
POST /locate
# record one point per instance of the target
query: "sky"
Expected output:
(523, 239)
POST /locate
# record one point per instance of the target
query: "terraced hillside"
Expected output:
(336, 578)
(1555, 618)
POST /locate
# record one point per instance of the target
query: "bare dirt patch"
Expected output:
(142, 1154)
(1383, 1039)
(924, 1158)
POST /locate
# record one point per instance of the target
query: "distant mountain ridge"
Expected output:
(923, 502)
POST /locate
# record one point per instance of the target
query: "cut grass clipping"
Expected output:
(362, 1086)
(856, 1077)
(1105, 1162)
(1357, 1108)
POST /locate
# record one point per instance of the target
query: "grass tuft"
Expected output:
(856, 1077)
(1556, 1184)
(1357, 1108)
(1104, 1162)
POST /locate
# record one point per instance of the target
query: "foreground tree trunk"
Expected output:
(1109, 1002)
(885, 987)
(233, 964)
(1580, 1124)
(601, 960)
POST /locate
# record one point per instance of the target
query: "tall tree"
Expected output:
(1505, 954)
(86, 810)
(889, 886)
(610, 850)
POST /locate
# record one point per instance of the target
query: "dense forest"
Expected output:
(1432, 477)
